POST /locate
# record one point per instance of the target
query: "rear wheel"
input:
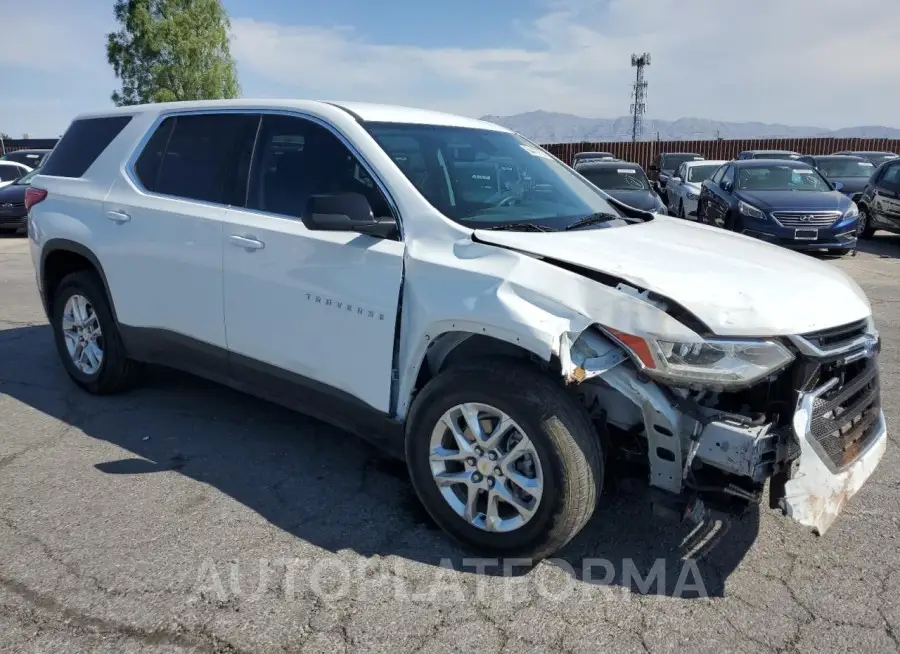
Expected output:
(505, 468)
(866, 230)
(87, 337)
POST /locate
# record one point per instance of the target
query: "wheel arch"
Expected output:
(60, 257)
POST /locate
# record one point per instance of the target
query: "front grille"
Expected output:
(803, 219)
(836, 337)
(846, 418)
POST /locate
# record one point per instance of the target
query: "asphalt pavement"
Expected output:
(186, 517)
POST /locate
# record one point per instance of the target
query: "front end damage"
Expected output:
(815, 431)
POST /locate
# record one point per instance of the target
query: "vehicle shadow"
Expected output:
(334, 491)
(883, 245)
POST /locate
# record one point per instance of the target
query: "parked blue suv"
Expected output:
(780, 201)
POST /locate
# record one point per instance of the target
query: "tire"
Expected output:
(116, 371)
(728, 222)
(866, 230)
(567, 446)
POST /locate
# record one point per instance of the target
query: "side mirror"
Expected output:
(726, 186)
(677, 180)
(346, 212)
(837, 186)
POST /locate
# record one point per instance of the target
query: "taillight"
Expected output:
(33, 196)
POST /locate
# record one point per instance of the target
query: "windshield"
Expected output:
(484, 178)
(700, 173)
(775, 155)
(781, 178)
(617, 179)
(846, 168)
(672, 161)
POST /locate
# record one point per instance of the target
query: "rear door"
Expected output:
(163, 228)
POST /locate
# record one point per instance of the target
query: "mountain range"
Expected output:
(551, 127)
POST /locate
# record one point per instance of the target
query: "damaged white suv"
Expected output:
(452, 292)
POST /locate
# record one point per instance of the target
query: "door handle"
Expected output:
(118, 216)
(249, 243)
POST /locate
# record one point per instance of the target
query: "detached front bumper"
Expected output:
(820, 483)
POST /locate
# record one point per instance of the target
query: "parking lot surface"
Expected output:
(186, 517)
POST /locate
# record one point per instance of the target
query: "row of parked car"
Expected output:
(805, 202)
(17, 168)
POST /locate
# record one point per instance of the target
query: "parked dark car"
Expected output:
(788, 203)
(879, 204)
(768, 154)
(31, 158)
(664, 166)
(588, 156)
(852, 173)
(13, 215)
(876, 158)
(623, 180)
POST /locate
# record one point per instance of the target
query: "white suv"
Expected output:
(451, 291)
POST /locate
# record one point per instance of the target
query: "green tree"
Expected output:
(167, 50)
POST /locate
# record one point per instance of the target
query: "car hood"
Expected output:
(13, 193)
(646, 200)
(851, 184)
(737, 285)
(693, 187)
(796, 200)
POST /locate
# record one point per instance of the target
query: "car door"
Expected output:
(675, 187)
(886, 198)
(163, 241)
(304, 307)
(720, 198)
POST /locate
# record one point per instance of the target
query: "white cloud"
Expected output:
(812, 62)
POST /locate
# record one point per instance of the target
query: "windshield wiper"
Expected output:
(593, 219)
(518, 227)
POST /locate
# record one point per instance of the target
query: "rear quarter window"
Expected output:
(82, 143)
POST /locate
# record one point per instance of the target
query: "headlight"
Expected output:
(852, 212)
(727, 364)
(751, 211)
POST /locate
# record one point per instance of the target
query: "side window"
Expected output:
(890, 179)
(200, 157)
(728, 176)
(296, 158)
(82, 143)
(717, 176)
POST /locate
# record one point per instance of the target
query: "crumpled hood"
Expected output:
(737, 285)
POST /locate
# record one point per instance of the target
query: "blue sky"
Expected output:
(804, 62)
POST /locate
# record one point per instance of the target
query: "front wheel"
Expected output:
(504, 459)
(866, 230)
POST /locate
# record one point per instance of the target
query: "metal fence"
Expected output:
(11, 145)
(643, 152)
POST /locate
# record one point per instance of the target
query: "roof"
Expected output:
(773, 151)
(6, 162)
(366, 112)
(830, 157)
(594, 154)
(705, 162)
(682, 154)
(596, 164)
(762, 163)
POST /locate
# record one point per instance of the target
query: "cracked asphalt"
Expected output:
(186, 517)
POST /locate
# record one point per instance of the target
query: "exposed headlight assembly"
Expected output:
(722, 363)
